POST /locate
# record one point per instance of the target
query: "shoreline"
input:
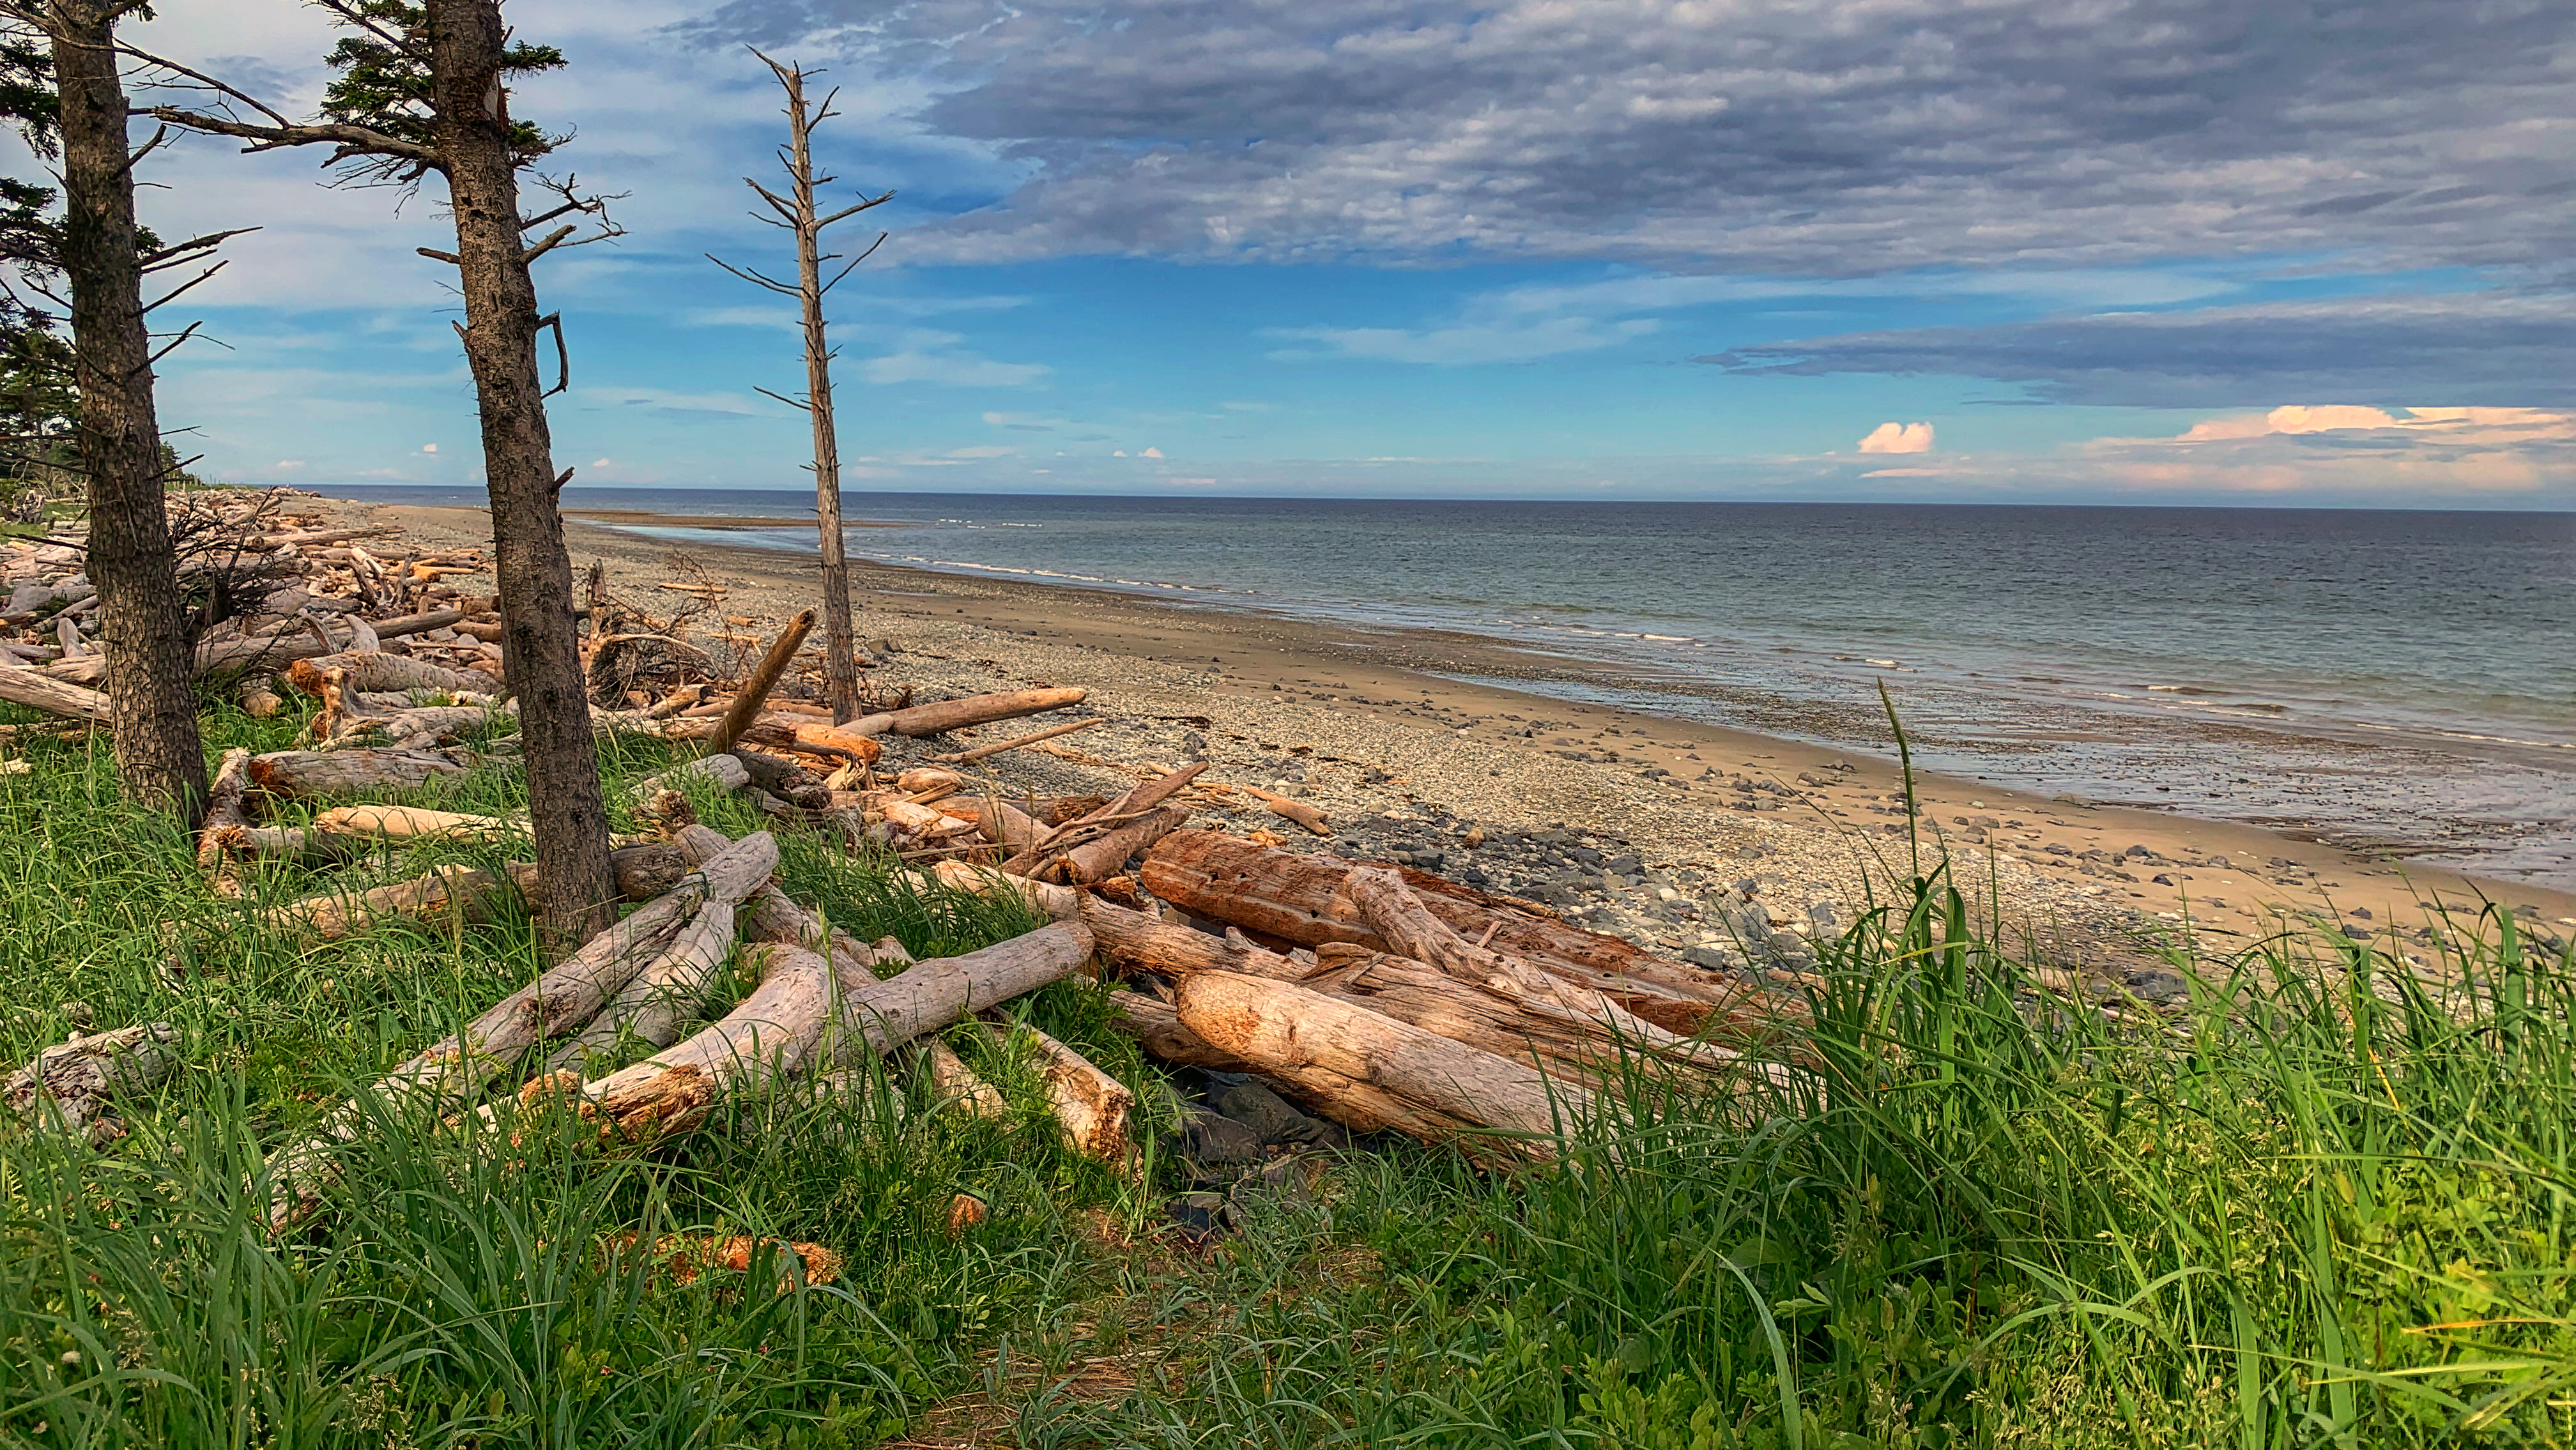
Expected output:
(1437, 719)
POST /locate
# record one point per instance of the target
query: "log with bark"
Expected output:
(223, 837)
(312, 774)
(49, 693)
(377, 670)
(414, 823)
(447, 897)
(74, 1086)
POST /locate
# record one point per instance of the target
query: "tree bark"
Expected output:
(840, 643)
(151, 671)
(450, 894)
(74, 1086)
(540, 646)
(303, 774)
(1090, 1106)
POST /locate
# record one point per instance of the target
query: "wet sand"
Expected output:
(1363, 720)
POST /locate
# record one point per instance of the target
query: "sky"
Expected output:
(2107, 251)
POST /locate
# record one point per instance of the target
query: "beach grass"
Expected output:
(2328, 1202)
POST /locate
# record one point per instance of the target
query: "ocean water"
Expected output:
(2407, 678)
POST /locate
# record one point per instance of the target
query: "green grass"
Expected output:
(2323, 1206)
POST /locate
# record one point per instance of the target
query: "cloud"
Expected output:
(599, 463)
(926, 356)
(669, 403)
(1151, 453)
(429, 448)
(1803, 137)
(2511, 347)
(1906, 473)
(2431, 453)
(1898, 438)
(286, 465)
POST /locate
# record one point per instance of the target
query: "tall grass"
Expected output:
(2326, 1204)
(462, 1292)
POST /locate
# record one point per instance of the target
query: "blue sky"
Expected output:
(2139, 251)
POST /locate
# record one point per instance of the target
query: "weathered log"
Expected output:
(412, 823)
(788, 780)
(1557, 1044)
(1090, 1106)
(222, 838)
(767, 915)
(1328, 1046)
(655, 1003)
(926, 783)
(1096, 860)
(267, 651)
(1006, 825)
(411, 729)
(779, 1030)
(642, 872)
(764, 677)
(1294, 810)
(1303, 900)
(561, 1000)
(947, 715)
(986, 752)
(304, 774)
(74, 1086)
(377, 670)
(298, 846)
(1138, 800)
(1157, 1028)
(49, 692)
(954, 1084)
(837, 740)
(448, 895)
(724, 772)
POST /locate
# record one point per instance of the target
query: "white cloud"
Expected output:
(429, 448)
(2421, 453)
(1898, 438)
(937, 357)
(599, 463)
(1151, 453)
(287, 465)
(2452, 425)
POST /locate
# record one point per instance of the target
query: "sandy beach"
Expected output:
(1555, 797)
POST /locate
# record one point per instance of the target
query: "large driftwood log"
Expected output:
(1303, 900)
(561, 1000)
(1098, 860)
(1424, 1084)
(74, 1086)
(269, 651)
(986, 752)
(412, 823)
(446, 896)
(306, 774)
(223, 839)
(1157, 1028)
(782, 1032)
(947, 715)
(658, 1001)
(954, 1084)
(1090, 1106)
(377, 670)
(1133, 804)
(51, 694)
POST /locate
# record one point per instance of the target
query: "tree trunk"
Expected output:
(840, 644)
(151, 671)
(539, 643)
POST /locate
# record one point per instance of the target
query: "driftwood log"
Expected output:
(947, 715)
(267, 652)
(561, 1001)
(74, 1086)
(51, 694)
(223, 838)
(377, 670)
(986, 752)
(312, 774)
(1303, 900)
(1090, 1106)
(1369, 1071)
(448, 896)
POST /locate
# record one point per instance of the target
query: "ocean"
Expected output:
(2403, 678)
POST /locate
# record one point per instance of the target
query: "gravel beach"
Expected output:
(1724, 847)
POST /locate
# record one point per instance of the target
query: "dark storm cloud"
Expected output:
(2495, 349)
(1811, 137)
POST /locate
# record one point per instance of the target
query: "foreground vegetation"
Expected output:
(2322, 1206)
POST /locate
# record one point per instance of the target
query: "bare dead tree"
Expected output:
(104, 257)
(798, 213)
(422, 92)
